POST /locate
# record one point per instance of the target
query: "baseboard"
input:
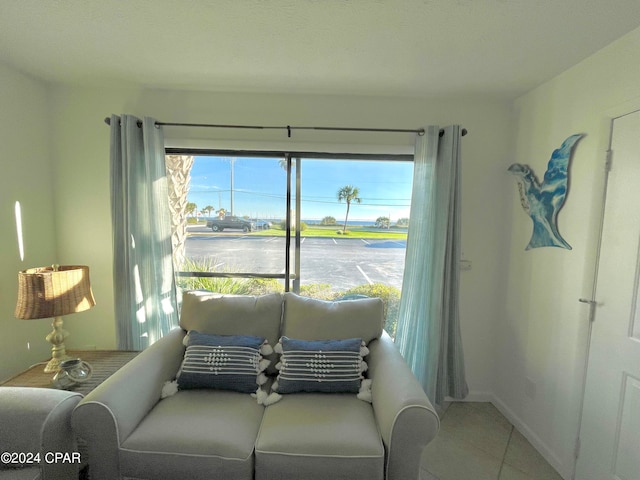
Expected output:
(522, 427)
(471, 397)
(535, 440)
(474, 397)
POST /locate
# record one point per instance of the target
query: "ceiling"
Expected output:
(366, 47)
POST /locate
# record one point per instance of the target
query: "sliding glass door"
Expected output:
(323, 226)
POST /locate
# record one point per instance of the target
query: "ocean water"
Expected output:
(352, 223)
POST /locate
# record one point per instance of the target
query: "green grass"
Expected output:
(332, 232)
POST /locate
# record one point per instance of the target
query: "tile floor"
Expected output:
(476, 442)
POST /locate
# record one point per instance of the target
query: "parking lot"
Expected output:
(341, 262)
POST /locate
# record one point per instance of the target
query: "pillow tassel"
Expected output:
(169, 388)
(266, 349)
(272, 398)
(365, 391)
(260, 396)
(262, 379)
(278, 348)
(263, 364)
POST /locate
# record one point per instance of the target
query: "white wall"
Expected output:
(26, 177)
(81, 152)
(542, 331)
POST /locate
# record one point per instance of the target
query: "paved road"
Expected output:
(341, 262)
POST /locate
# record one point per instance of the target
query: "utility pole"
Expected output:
(233, 160)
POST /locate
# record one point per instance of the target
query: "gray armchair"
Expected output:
(36, 423)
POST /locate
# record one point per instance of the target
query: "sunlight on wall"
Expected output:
(18, 210)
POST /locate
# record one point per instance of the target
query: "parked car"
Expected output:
(262, 224)
(219, 224)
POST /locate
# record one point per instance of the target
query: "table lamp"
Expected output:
(54, 291)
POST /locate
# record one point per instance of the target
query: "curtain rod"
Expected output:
(289, 128)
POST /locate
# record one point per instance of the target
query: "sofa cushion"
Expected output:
(311, 319)
(225, 362)
(194, 431)
(309, 436)
(329, 366)
(213, 313)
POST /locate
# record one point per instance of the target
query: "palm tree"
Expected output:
(208, 209)
(178, 179)
(283, 163)
(349, 194)
(191, 208)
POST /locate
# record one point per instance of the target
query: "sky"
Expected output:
(260, 185)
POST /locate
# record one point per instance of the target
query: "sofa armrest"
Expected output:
(108, 415)
(406, 418)
(38, 421)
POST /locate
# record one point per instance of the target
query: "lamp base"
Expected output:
(58, 351)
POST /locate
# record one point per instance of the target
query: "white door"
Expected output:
(610, 432)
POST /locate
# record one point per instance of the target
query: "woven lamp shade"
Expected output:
(49, 292)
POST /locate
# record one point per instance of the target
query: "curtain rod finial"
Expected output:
(107, 120)
(464, 132)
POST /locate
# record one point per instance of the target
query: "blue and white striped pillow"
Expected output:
(327, 366)
(224, 362)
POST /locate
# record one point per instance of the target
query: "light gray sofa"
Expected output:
(35, 429)
(216, 434)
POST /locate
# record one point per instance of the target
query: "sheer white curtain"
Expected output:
(428, 332)
(143, 277)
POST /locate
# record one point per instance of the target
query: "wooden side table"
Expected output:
(104, 363)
